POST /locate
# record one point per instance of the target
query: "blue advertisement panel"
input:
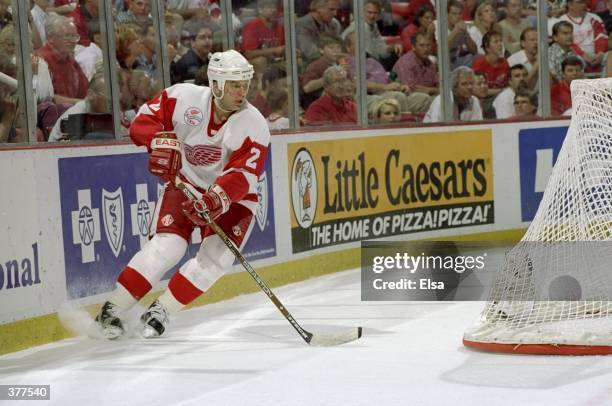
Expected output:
(538, 151)
(107, 203)
(262, 242)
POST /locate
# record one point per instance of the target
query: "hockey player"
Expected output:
(216, 143)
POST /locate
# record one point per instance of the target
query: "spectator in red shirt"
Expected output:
(415, 69)
(597, 6)
(60, 3)
(470, 9)
(335, 105)
(69, 82)
(423, 22)
(312, 79)
(62, 7)
(560, 94)
(414, 6)
(83, 14)
(492, 63)
(263, 38)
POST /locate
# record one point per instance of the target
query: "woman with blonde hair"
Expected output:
(129, 44)
(485, 20)
(7, 41)
(384, 110)
(141, 86)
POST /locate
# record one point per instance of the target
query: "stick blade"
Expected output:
(330, 340)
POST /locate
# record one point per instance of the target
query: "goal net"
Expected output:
(552, 294)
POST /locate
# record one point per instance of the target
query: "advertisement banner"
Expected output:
(262, 241)
(25, 277)
(107, 203)
(363, 188)
(538, 152)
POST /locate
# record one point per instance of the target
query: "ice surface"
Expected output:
(243, 352)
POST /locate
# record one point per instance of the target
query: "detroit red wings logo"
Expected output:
(202, 155)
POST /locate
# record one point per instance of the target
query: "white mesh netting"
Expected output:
(555, 284)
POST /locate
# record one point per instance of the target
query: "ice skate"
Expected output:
(154, 320)
(111, 325)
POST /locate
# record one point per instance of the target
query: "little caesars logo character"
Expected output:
(304, 188)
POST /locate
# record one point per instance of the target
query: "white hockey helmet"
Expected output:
(228, 65)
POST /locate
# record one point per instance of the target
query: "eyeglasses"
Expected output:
(71, 37)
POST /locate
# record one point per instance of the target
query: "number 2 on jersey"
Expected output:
(252, 161)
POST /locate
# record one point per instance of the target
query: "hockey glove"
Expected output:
(165, 156)
(214, 202)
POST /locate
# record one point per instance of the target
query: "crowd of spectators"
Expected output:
(493, 52)
(67, 62)
(492, 45)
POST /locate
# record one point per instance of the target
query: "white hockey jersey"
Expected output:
(589, 33)
(231, 155)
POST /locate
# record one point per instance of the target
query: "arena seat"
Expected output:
(412, 117)
(400, 9)
(393, 39)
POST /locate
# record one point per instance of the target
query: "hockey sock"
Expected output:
(122, 298)
(168, 300)
(136, 284)
(180, 293)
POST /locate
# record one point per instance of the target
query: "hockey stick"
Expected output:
(320, 340)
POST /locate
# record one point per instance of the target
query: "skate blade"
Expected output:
(97, 332)
(112, 332)
(148, 332)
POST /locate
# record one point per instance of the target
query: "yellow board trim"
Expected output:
(41, 330)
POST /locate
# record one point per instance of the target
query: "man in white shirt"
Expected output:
(466, 106)
(590, 37)
(95, 102)
(191, 8)
(504, 102)
(525, 103)
(528, 56)
(88, 57)
(39, 17)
